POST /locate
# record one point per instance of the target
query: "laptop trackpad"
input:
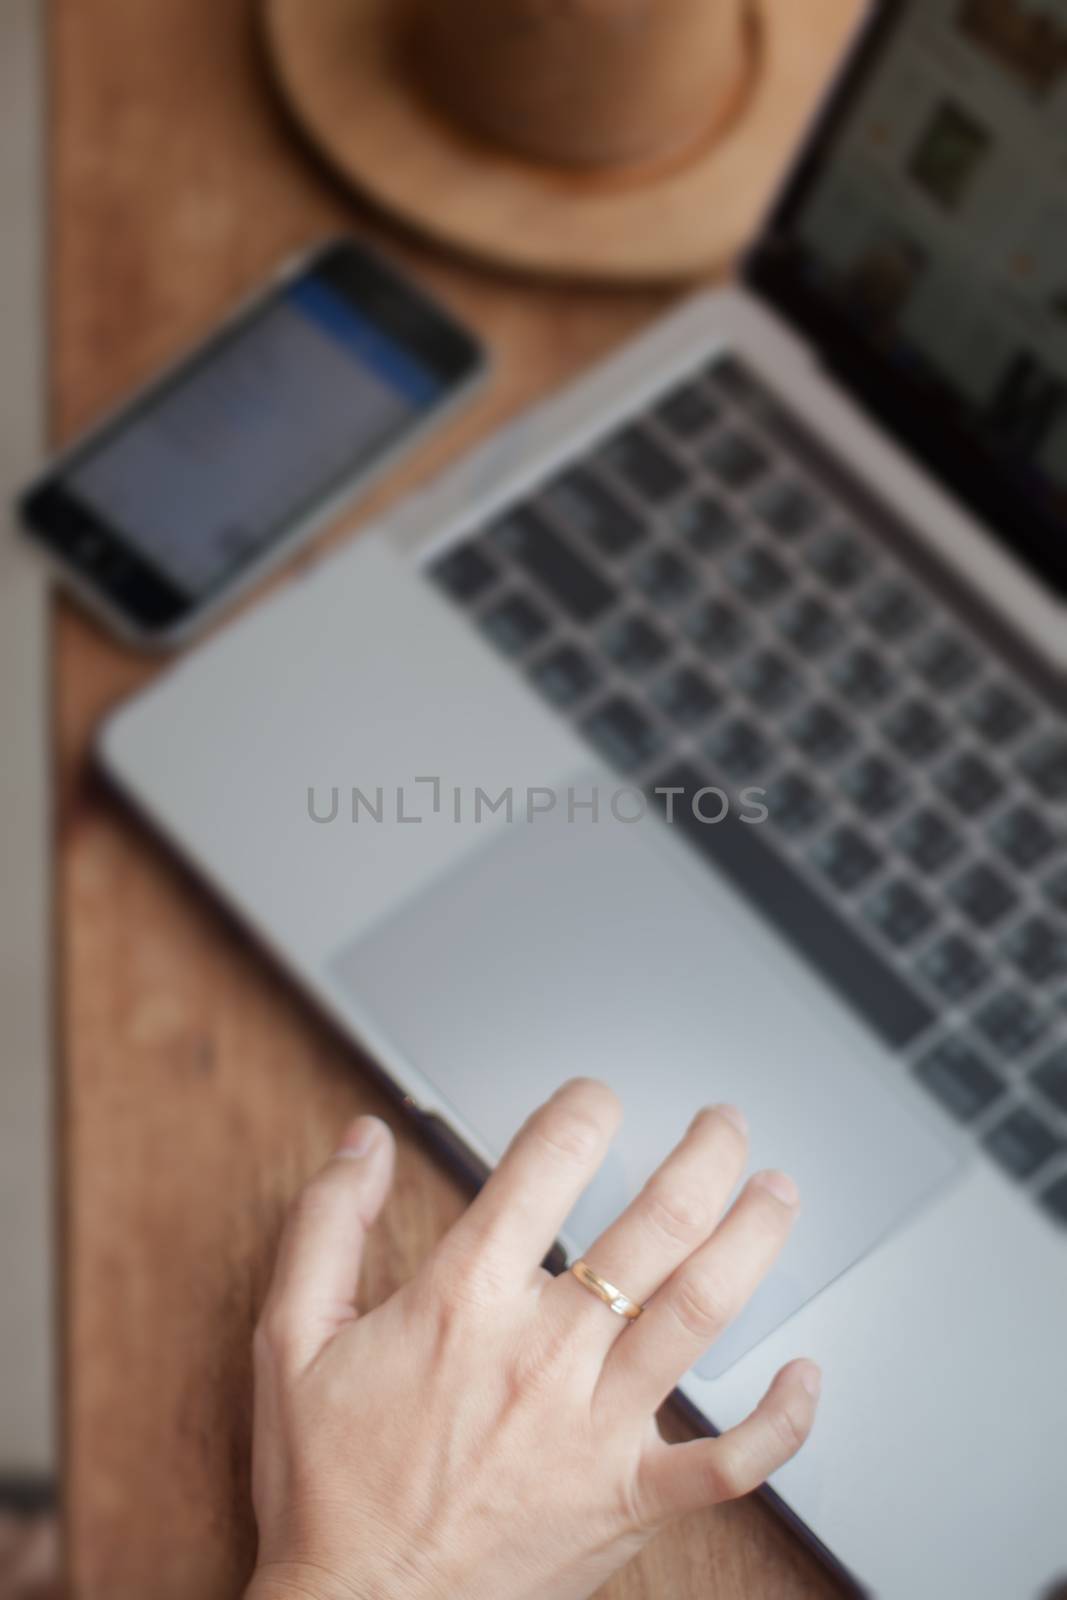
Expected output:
(564, 949)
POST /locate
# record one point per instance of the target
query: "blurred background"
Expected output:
(27, 1368)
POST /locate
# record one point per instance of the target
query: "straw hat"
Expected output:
(356, 89)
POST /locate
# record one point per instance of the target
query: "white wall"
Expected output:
(27, 1430)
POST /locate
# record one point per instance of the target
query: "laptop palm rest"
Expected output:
(564, 948)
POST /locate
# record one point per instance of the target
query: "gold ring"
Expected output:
(613, 1298)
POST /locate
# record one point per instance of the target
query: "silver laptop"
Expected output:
(706, 732)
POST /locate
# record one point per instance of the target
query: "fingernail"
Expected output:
(361, 1138)
(782, 1187)
(735, 1116)
(810, 1378)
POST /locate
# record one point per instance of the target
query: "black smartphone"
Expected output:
(166, 510)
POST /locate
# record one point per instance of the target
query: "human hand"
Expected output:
(489, 1430)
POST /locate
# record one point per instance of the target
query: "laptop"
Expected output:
(705, 731)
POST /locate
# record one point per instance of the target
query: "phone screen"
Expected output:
(270, 419)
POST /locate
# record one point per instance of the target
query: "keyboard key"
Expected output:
(464, 573)
(1023, 837)
(686, 697)
(1022, 1143)
(946, 662)
(649, 470)
(1044, 765)
(687, 411)
(840, 561)
(585, 504)
(1038, 950)
(953, 967)
(1054, 1201)
(738, 749)
(546, 556)
(706, 525)
(634, 644)
(997, 714)
(1011, 1023)
(736, 459)
(846, 858)
(1050, 1076)
(664, 579)
(899, 913)
(969, 783)
(768, 680)
(734, 379)
(515, 625)
(961, 1080)
(983, 895)
(862, 678)
(874, 787)
(915, 729)
(788, 509)
(892, 611)
(780, 425)
(794, 804)
(717, 630)
(1056, 889)
(822, 732)
(513, 528)
(928, 841)
(855, 971)
(623, 734)
(565, 676)
(810, 626)
(758, 575)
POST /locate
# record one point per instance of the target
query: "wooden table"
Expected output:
(198, 1090)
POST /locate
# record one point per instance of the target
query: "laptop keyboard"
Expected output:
(704, 603)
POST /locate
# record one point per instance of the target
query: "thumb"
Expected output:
(316, 1275)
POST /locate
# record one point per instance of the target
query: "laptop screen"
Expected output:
(923, 244)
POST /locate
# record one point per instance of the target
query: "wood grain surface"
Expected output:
(198, 1090)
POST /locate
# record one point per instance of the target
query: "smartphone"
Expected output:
(160, 515)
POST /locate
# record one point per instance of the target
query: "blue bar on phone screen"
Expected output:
(345, 323)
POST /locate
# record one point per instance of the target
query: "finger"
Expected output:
(517, 1215)
(316, 1275)
(677, 1211)
(677, 1479)
(703, 1296)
